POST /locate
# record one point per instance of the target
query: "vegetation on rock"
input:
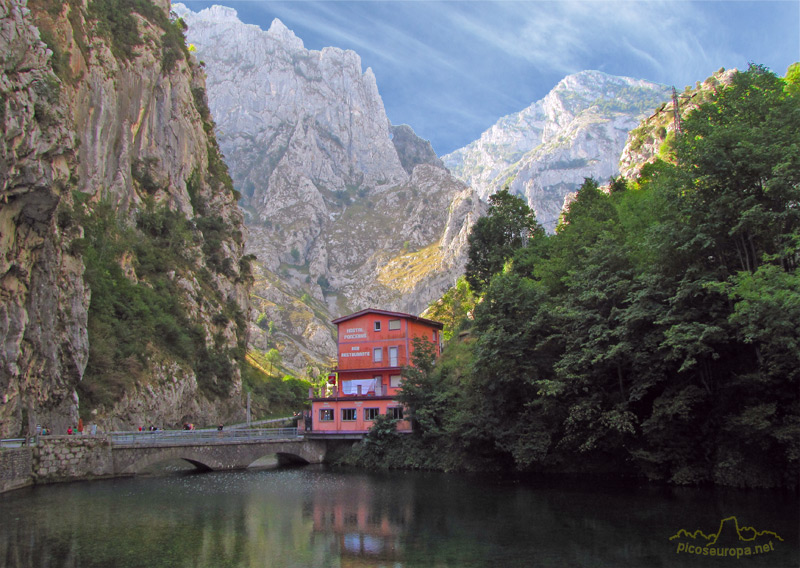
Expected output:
(272, 395)
(135, 310)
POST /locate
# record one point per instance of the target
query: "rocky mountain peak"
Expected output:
(284, 35)
(344, 209)
(277, 102)
(217, 12)
(546, 150)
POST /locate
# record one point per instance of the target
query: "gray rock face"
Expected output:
(43, 299)
(412, 149)
(545, 151)
(290, 116)
(333, 194)
(89, 134)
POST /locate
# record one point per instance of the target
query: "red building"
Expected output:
(373, 347)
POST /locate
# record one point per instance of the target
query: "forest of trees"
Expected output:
(656, 333)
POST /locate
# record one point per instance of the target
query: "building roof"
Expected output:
(431, 323)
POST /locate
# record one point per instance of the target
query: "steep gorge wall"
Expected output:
(345, 210)
(126, 132)
(43, 299)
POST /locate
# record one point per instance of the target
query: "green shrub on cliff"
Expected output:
(136, 311)
(272, 395)
(115, 21)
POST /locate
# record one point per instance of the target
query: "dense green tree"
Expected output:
(420, 393)
(515, 348)
(273, 357)
(655, 333)
(730, 232)
(508, 226)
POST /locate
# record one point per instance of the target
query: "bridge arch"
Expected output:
(144, 458)
(134, 458)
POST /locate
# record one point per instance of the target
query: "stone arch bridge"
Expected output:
(65, 458)
(226, 455)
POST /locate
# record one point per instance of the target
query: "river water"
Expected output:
(318, 517)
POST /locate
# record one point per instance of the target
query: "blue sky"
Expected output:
(450, 69)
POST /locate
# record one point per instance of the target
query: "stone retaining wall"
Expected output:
(66, 458)
(15, 468)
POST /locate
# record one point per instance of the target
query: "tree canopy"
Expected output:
(509, 225)
(655, 333)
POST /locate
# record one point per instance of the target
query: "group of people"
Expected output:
(186, 426)
(44, 430)
(79, 429)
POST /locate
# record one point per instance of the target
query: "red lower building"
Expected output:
(373, 347)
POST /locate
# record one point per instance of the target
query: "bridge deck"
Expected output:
(201, 437)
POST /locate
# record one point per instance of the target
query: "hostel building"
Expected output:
(373, 347)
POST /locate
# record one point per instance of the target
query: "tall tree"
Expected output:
(508, 226)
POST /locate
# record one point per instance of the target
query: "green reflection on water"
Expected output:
(311, 517)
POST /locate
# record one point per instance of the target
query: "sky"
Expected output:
(450, 69)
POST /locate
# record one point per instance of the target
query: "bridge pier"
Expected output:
(68, 458)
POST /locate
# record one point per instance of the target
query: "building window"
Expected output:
(358, 386)
(394, 381)
(371, 414)
(348, 414)
(434, 337)
(377, 354)
(325, 414)
(377, 326)
(396, 412)
(393, 356)
(394, 325)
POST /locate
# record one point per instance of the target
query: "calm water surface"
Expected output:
(315, 517)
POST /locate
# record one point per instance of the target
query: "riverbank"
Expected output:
(383, 449)
(54, 459)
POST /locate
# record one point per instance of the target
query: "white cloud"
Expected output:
(561, 36)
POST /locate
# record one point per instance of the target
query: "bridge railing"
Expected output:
(15, 442)
(199, 436)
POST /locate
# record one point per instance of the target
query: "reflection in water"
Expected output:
(366, 523)
(311, 517)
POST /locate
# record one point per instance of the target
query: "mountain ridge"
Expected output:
(545, 151)
(332, 191)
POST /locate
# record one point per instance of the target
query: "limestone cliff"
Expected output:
(43, 300)
(653, 137)
(545, 151)
(345, 211)
(116, 205)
